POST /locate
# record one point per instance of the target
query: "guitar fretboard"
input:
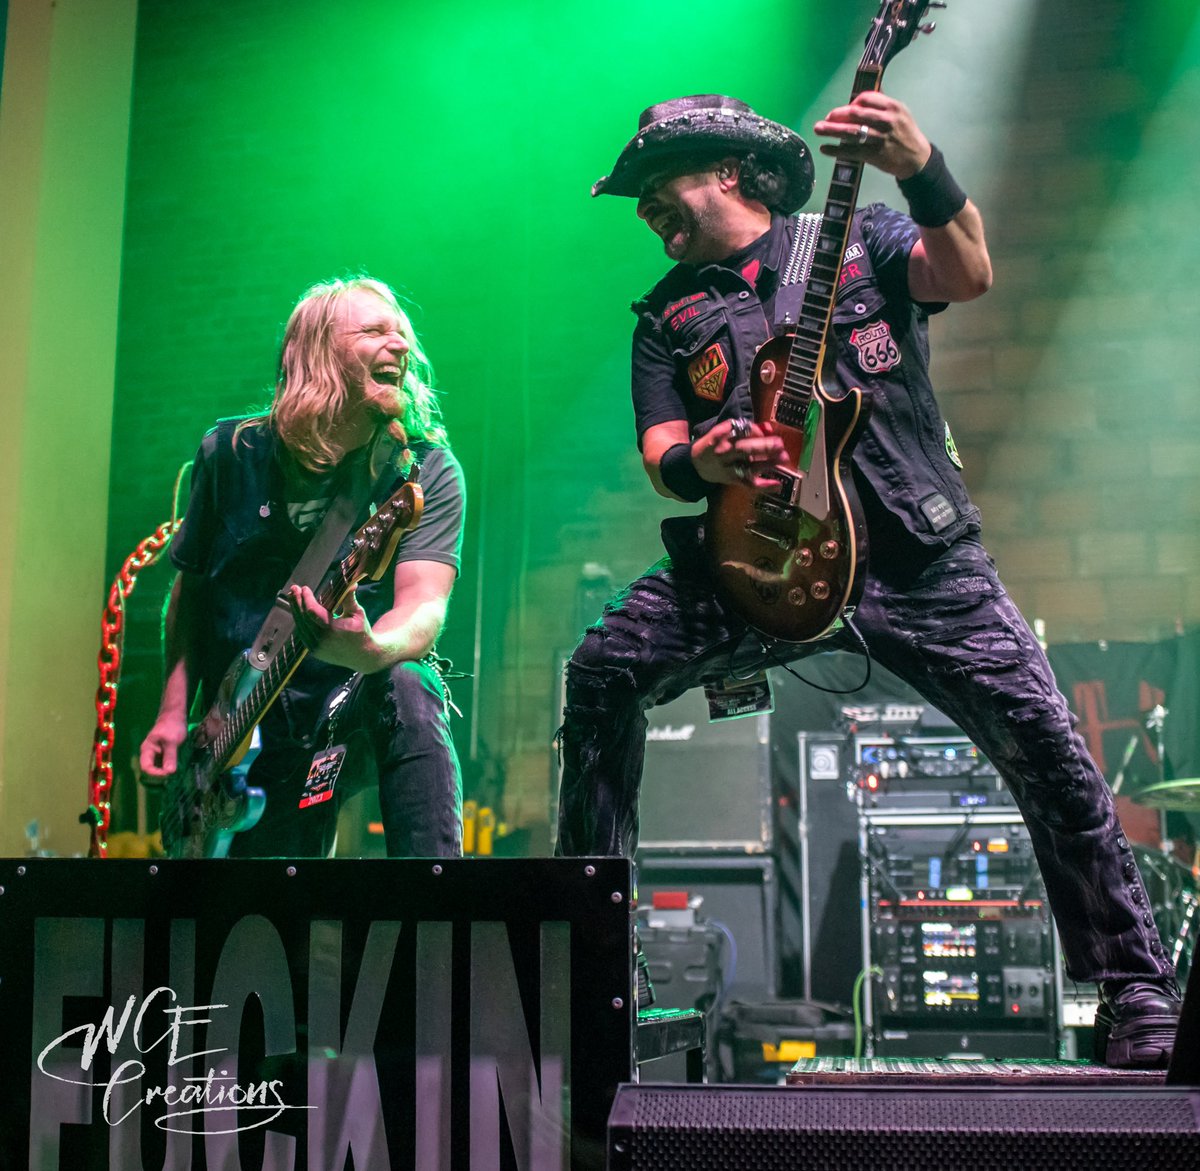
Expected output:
(816, 310)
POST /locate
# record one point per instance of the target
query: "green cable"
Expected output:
(856, 1001)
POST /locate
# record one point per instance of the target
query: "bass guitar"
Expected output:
(206, 801)
(791, 559)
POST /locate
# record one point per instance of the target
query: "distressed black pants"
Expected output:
(395, 727)
(948, 629)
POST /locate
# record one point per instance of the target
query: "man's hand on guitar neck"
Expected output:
(406, 631)
(879, 130)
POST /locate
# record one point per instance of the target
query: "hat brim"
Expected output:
(700, 132)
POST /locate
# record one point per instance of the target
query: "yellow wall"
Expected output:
(64, 122)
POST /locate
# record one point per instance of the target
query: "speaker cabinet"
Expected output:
(704, 785)
(659, 1128)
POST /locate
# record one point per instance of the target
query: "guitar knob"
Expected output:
(829, 550)
(804, 558)
(797, 596)
(820, 590)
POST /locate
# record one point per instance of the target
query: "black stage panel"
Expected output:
(312, 1014)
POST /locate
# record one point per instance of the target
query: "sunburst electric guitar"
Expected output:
(790, 559)
(205, 803)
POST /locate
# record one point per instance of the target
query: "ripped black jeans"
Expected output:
(950, 630)
(395, 727)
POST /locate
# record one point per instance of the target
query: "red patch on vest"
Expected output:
(675, 306)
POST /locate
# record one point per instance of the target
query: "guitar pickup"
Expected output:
(786, 495)
(776, 509)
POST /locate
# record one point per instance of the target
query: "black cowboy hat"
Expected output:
(709, 123)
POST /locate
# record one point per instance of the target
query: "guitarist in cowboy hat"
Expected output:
(718, 185)
(352, 380)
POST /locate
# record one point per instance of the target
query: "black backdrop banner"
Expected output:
(1114, 687)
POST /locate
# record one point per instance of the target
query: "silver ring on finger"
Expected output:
(741, 470)
(739, 428)
(864, 133)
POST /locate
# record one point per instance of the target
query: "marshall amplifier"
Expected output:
(705, 785)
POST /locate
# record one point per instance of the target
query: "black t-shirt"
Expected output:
(238, 536)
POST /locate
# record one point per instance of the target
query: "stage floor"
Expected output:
(903, 1071)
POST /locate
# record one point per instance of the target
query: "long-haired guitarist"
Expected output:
(354, 406)
(719, 185)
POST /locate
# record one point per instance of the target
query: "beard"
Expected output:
(691, 236)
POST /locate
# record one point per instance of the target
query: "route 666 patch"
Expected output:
(876, 349)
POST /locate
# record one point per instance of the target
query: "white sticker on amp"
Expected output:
(876, 349)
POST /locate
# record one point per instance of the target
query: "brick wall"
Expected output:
(1070, 387)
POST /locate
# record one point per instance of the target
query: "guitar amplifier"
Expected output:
(705, 786)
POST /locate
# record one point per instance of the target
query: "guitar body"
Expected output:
(205, 804)
(792, 561)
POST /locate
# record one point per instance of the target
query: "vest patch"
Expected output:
(952, 449)
(854, 252)
(675, 306)
(708, 373)
(940, 513)
(876, 349)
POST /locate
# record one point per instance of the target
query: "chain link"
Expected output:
(112, 637)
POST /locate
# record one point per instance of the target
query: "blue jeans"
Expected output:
(395, 727)
(947, 627)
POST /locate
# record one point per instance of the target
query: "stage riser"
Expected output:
(397, 1013)
(695, 1128)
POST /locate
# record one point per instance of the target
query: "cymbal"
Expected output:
(1182, 793)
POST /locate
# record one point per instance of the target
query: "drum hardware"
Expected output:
(1182, 795)
(1170, 883)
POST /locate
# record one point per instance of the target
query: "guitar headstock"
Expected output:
(375, 543)
(893, 29)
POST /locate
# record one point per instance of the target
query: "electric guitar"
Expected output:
(205, 803)
(791, 559)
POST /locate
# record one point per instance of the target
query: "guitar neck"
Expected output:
(816, 310)
(242, 721)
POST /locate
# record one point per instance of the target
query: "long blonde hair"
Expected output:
(311, 382)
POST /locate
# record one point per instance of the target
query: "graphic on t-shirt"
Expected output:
(708, 373)
(876, 350)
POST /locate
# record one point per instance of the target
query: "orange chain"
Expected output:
(112, 638)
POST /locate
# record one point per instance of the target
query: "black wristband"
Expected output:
(934, 199)
(679, 473)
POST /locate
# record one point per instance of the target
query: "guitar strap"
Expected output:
(318, 556)
(794, 279)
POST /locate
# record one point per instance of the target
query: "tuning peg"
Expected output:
(937, 3)
(927, 29)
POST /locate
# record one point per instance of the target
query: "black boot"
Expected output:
(1136, 1023)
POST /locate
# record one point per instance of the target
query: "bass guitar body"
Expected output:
(791, 559)
(207, 801)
